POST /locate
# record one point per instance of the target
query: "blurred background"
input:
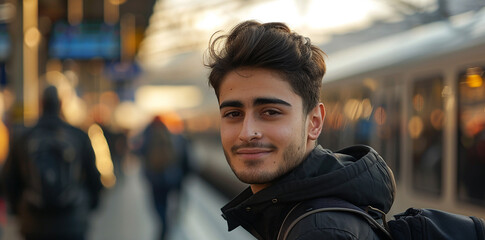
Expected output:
(404, 76)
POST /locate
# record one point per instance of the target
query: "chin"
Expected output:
(256, 176)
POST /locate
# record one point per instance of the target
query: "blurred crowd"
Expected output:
(53, 173)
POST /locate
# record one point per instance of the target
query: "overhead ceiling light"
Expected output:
(159, 99)
(474, 77)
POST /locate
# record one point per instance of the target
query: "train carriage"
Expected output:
(418, 98)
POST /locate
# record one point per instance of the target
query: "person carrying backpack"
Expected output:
(161, 167)
(50, 176)
(267, 80)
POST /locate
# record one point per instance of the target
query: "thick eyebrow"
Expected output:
(232, 103)
(257, 102)
(263, 101)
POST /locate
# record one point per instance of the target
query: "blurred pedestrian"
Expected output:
(161, 167)
(50, 177)
(267, 80)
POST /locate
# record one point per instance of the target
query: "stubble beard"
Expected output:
(257, 174)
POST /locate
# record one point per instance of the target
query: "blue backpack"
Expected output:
(413, 224)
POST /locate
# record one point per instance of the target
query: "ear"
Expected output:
(316, 118)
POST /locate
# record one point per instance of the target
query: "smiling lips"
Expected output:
(252, 153)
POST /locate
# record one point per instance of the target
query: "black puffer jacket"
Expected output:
(356, 174)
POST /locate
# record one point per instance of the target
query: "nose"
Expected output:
(249, 129)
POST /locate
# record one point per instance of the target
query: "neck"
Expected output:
(258, 187)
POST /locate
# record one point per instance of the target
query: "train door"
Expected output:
(425, 129)
(471, 136)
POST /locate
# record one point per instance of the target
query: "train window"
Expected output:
(387, 118)
(471, 135)
(348, 118)
(425, 129)
(367, 114)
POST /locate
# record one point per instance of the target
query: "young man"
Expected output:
(268, 80)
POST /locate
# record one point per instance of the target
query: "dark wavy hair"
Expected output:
(271, 46)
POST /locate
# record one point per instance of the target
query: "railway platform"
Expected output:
(127, 213)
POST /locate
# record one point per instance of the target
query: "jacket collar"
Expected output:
(249, 210)
(356, 174)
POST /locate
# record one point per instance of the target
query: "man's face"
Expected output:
(263, 127)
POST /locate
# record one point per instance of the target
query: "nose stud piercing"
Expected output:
(255, 136)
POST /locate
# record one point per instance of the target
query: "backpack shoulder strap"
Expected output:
(306, 208)
(480, 227)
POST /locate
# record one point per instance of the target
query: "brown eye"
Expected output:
(232, 114)
(271, 112)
